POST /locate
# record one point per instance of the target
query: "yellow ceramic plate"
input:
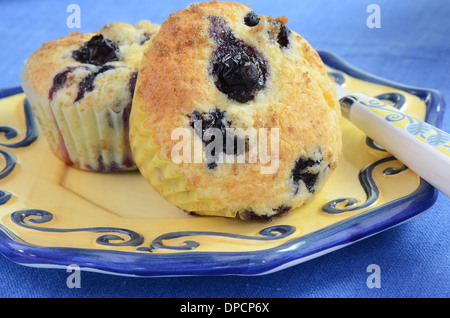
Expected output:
(52, 215)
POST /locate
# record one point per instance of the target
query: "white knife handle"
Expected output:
(422, 147)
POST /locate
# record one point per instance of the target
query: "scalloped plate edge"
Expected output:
(291, 253)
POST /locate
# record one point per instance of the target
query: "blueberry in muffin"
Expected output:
(220, 66)
(81, 88)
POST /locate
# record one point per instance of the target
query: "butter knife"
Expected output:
(422, 147)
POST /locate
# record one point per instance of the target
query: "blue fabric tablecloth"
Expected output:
(412, 47)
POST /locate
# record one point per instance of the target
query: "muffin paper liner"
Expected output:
(162, 173)
(87, 139)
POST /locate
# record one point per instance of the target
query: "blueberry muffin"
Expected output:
(218, 68)
(81, 88)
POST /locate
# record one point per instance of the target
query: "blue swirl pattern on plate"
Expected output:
(20, 218)
(32, 133)
(192, 262)
(365, 175)
(267, 234)
(32, 129)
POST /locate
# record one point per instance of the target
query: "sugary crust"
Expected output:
(42, 66)
(87, 128)
(298, 99)
(44, 63)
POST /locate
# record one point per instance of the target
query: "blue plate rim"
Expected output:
(292, 252)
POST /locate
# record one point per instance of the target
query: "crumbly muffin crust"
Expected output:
(81, 87)
(222, 64)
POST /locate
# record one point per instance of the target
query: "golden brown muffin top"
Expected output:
(68, 56)
(177, 81)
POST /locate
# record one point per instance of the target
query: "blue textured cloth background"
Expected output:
(412, 47)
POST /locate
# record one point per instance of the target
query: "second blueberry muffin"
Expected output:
(81, 88)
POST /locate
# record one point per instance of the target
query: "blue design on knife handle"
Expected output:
(398, 101)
